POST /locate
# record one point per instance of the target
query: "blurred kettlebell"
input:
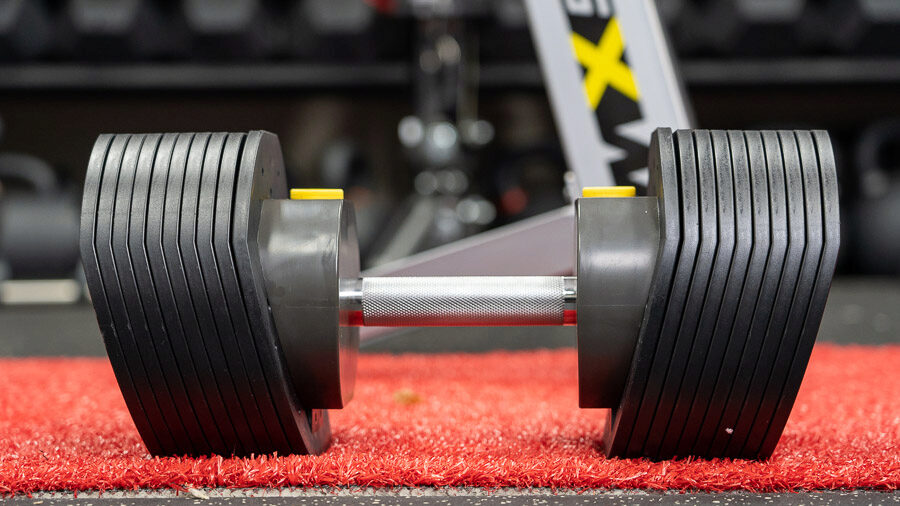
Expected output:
(875, 232)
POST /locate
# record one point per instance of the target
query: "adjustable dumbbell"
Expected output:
(231, 312)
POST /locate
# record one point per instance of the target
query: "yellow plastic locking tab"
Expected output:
(317, 194)
(608, 191)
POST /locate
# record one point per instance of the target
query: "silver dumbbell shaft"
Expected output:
(460, 301)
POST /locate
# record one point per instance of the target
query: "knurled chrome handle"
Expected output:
(461, 301)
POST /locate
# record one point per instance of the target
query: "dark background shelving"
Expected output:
(327, 74)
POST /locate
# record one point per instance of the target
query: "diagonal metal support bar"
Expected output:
(605, 143)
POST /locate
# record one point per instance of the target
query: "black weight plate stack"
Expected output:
(703, 280)
(169, 246)
(217, 197)
(793, 290)
(98, 211)
(747, 267)
(166, 275)
(216, 388)
(140, 295)
(819, 177)
(190, 237)
(749, 241)
(718, 307)
(664, 183)
(767, 175)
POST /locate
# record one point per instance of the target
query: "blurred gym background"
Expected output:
(431, 114)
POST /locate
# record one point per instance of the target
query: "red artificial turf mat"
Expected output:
(491, 420)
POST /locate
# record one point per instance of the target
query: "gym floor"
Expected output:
(454, 497)
(859, 311)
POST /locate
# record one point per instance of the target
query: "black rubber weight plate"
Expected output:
(231, 308)
(229, 378)
(699, 281)
(140, 296)
(169, 240)
(726, 339)
(261, 176)
(219, 175)
(209, 439)
(809, 204)
(770, 237)
(664, 184)
(735, 229)
(819, 177)
(706, 348)
(94, 206)
(204, 169)
(677, 305)
(672, 307)
(212, 386)
(778, 325)
(748, 267)
(112, 235)
(118, 280)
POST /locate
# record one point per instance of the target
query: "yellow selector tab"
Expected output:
(317, 194)
(608, 191)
